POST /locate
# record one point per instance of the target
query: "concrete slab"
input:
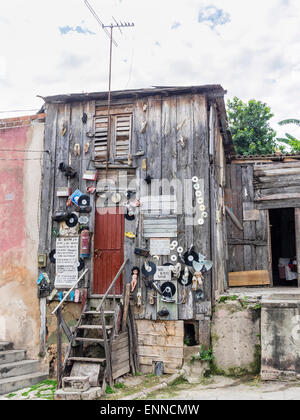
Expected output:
(8, 385)
(23, 367)
(91, 394)
(10, 356)
(280, 323)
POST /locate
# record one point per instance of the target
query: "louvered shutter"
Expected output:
(101, 132)
(120, 145)
(122, 135)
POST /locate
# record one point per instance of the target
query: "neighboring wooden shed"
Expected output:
(165, 162)
(263, 194)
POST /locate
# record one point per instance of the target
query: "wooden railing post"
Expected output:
(59, 348)
(126, 306)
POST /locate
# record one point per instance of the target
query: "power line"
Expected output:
(99, 21)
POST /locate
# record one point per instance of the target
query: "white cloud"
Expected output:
(253, 51)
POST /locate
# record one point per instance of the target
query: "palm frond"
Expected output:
(290, 121)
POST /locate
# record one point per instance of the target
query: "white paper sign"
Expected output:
(163, 273)
(160, 246)
(66, 257)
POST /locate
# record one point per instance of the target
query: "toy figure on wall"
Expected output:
(135, 272)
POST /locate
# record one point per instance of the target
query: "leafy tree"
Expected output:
(250, 128)
(289, 139)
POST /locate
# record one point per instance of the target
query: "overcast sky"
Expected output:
(250, 47)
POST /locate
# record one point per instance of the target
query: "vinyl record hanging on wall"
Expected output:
(72, 220)
(149, 269)
(80, 265)
(84, 200)
(52, 256)
(189, 257)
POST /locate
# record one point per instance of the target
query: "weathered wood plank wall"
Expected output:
(252, 189)
(173, 133)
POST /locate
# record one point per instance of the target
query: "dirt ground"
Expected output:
(221, 388)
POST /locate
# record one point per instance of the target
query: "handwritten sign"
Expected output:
(163, 273)
(66, 257)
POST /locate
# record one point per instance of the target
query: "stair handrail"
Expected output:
(99, 307)
(69, 291)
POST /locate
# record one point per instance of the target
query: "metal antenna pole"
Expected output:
(112, 41)
(109, 100)
(109, 131)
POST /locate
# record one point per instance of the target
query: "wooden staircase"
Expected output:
(102, 345)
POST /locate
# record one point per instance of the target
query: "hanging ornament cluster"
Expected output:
(200, 201)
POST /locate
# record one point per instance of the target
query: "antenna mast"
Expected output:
(109, 33)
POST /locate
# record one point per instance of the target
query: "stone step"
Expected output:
(5, 345)
(24, 367)
(11, 356)
(15, 383)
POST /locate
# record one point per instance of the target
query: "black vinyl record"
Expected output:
(84, 200)
(168, 289)
(189, 257)
(128, 217)
(52, 256)
(149, 273)
(72, 220)
(80, 264)
(183, 282)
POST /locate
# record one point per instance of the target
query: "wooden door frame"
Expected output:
(91, 284)
(270, 258)
(297, 237)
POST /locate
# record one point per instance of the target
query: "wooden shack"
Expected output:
(154, 172)
(263, 202)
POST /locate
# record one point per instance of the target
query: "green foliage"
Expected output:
(109, 390)
(224, 299)
(289, 139)
(250, 128)
(204, 355)
(119, 385)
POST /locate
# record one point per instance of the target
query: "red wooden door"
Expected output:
(109, 252)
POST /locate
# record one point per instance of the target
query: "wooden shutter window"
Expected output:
(101, 133)
(122, 135)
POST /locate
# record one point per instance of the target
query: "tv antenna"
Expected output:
(108, 29)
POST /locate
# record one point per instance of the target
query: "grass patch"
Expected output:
(51, 387)
(120, 385)
(109, 390)
(11, 395)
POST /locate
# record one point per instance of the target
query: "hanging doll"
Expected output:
(135, 272)
(197, 280)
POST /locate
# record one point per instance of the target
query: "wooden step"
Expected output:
(89, 340)
(93, 327)
(99, 313)
(86, 359)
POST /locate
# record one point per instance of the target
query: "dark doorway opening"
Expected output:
(283, 242)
